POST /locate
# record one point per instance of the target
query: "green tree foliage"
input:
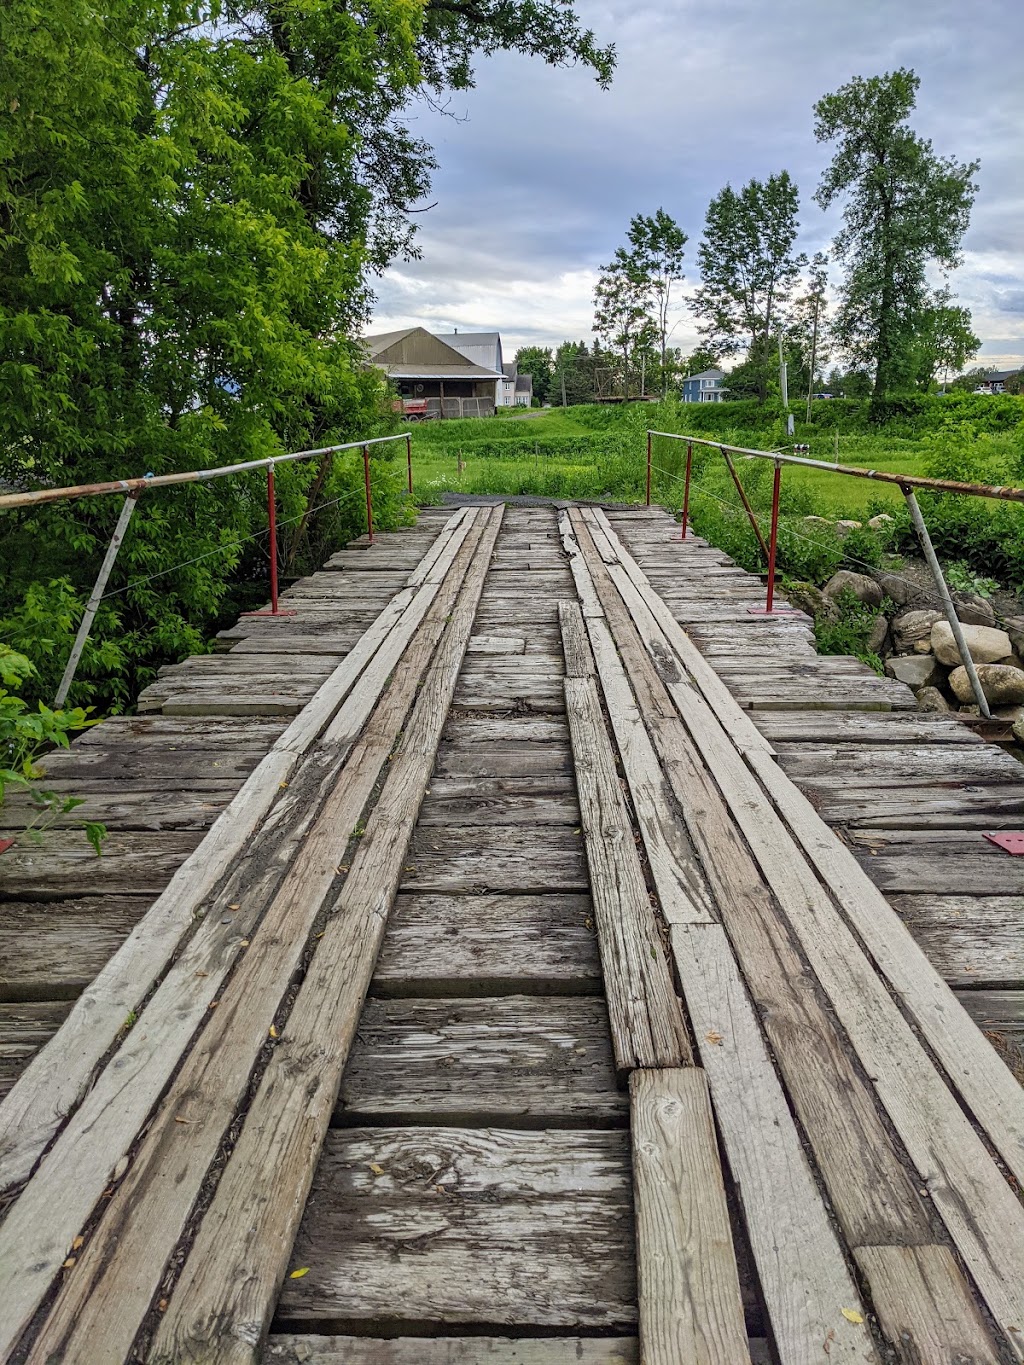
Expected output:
(621, 319)
(904, 207)
(748, 269)
(193, 200)
(943, 340)
(536, 361)
(656, 250)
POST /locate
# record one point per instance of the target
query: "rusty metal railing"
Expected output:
(906, 483)
(134, 488)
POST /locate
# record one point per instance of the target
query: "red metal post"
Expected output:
(686, 488)
(648, 469)
(408, 455)
(272, 523)
(369, 500)
(774, 538)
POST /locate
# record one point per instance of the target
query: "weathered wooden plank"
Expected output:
(259, 1198)
(579, 661)
(940, 862)
(467, 730)
(999, 806)
(43, 1223)
(496, 858)
(497, 644)
(933, 765)
(150, 765)
(489, 809)
(196, 807)
(52, 950)
(132, 733)
(304, 1348)
(869, 1187)
(507, 760)
(508, 1060)
(25, 1027)
(646, 1020)
(803, 1273)
(482, 945)
(925, 1307)
(689, 1290)
(54, 1082)
(467, 1226)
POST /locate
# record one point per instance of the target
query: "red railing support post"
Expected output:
(686, 488)
(773, 543)
(408, 456)
(648, 469)
(272, 525)
(369, 500)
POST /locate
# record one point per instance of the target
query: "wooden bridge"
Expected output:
(522, 953)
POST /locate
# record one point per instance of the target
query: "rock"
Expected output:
(879, 634)
(916, 670)
(1012, 661)
(817, 521)
(1002, 686)
(931, 699)
(1014, 627)
(881, 521)
(974, 610)
(1010, 713)
(865, 589)
(809, 599)
(844, 527)
(902, 590)
(985, 644)
(1018, 731)
(914, 628)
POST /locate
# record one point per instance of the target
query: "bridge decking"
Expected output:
(628, 1003)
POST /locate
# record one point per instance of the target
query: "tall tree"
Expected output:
(621, 319)
(656, 250)
(536, 361)
(904, 207)
(943, 340)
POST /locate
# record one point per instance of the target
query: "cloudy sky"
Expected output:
(541, 171)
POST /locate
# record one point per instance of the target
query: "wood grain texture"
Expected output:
(181, 878)
(646, 1019)
(972, 941)
(57, 1201)
(308, 1349)
(52, 950)
(481, 945)
(464, 1226)
(924, 1307)
(258, 1202)
(502, 1061)
(689, 1291)
(804, 1278)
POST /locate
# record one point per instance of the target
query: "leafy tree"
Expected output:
(943, 339)
(536, 361)
(621, 320)
(702, 358)
(193, 201)
(655, 258)
(576, 366)
(748, 268)
(904, 208)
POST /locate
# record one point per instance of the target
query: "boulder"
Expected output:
(1018, 731)
(879, 634)
(845, 526)
(817, 521)
(916, 670)
(1012, 661)
(902, 590)
(809, 599)
(1011, 713)
(1002, 686)
(881, 521)
(985, 644)
(1014, 627)
(931, 699)
(914, 628)
(865, 589)
(974, 610)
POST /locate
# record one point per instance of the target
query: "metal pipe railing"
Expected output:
(906, 483)
(134, 488)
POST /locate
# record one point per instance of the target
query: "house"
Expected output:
(705, 387)
(996, 381)
(434, 379)
(484, 348)
(516, 388)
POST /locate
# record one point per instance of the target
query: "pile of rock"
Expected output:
(919, 648)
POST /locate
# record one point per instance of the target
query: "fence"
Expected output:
(134, 488)
(906, 484)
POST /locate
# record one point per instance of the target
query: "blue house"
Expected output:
(705, 387)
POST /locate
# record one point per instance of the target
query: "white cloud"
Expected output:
(539, 182)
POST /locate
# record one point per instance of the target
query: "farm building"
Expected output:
(433, 378)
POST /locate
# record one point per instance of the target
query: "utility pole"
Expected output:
(561, 375)
(814, 356)
(784, 386)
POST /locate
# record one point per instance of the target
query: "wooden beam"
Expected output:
(690, 1305)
